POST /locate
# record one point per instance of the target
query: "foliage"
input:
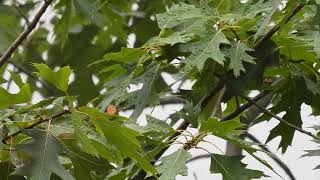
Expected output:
(88, 55)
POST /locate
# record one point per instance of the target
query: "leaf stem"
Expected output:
(21, 12)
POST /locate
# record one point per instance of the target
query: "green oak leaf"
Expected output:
(113, 71)
(23, 96)
(155, 128)
(172, 38)
(230, 131)
(316, 19)
(182, 13)
(59, 78)
(207, 47)
(274, 6)
(107, 151)
(61, 29)
(293, 94)
(123, 138)
(6, 168)
(238, 54)
(81, 134)
(25, 109)
(232, 127)
(188, 113)
(148, 79)
(126, 55)
(174, 164)
(232, 168)
(120, 176)
(294, 117)
(295, 48)
(116, 93)
(261, 7)
(43, 150)
(83, 163)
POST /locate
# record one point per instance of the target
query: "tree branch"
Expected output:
(7, 54)
(280, 119)
(272, 155)
(244, 107)
(4, 140)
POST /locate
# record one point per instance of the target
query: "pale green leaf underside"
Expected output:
(238, 54)
(43, 152)
(207, 47)
(174, 164)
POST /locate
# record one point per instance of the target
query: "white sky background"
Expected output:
(302, 168)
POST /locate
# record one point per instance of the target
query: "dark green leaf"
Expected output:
(148, 79)
(226, 128)
(207, 47)
(238, 53)
(232, 168)
(23, 96)
(121, 137)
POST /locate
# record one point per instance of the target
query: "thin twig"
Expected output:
(244, 107)
(21, 12)
(4, 140)
(280, 119)
(273, 156)
(7, 54)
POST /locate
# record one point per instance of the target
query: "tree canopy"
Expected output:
(89, 60)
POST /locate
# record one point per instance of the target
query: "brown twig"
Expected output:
(21, 12)
(4, 140)
(280, 119)
(244, 107)
(7, 54)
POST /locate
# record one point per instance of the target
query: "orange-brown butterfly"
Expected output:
(111, 110)
(268, 81)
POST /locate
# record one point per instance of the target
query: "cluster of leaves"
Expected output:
(227, 48)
